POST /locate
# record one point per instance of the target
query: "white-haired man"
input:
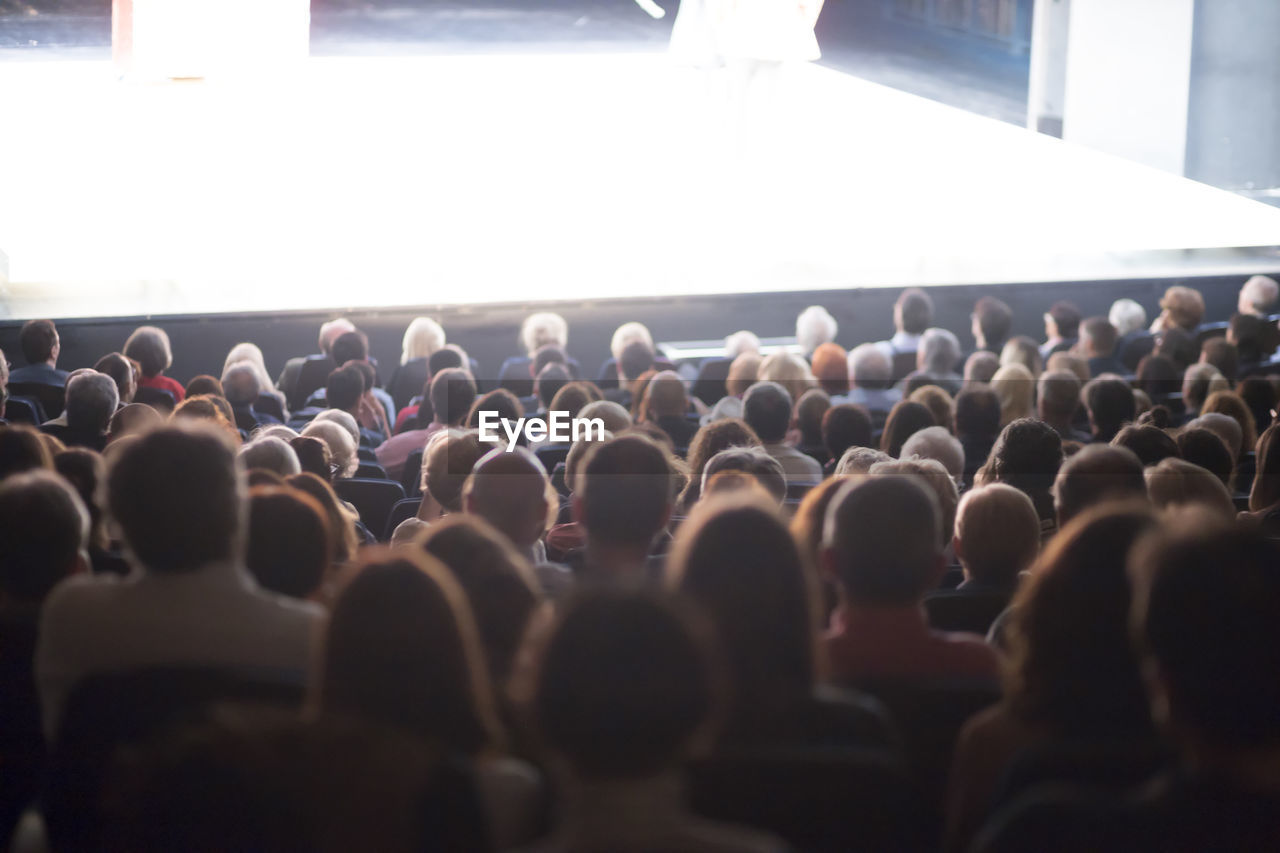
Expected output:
(303, 375)
(1134, 341)
(870, 381)
(538, 330)
(1259, 296)
(628, 333)
(814, 327)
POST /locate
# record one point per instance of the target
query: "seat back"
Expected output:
(405, 509)
(817, 800)
(157, 398)
(108, 711)
(1107, 763)
(903, 364)
(24, 410)
(964, 610)
(551, 455)
(371, 471)
(373, 499)
(312, 376)
(51, 397)
(411, 476)
(929, 714)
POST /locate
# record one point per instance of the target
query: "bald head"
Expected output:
(509, 490)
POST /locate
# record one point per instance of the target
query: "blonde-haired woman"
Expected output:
(252, 355)
(1014, 385)
(423, 338)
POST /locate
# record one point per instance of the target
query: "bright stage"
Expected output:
(359, 182)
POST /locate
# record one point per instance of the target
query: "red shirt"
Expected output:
(164, 383)
(880, 642)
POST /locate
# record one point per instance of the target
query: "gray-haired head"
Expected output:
(938, 352)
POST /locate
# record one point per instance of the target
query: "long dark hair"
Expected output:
(737, 560)
(1071, 665)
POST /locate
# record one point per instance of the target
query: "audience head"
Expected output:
(44, 526)
(541, 329)
(830, 366)
(123, 371)
(978, 413)
(1229, 403)
(449, 355)
(1071, 363)
(744, 370)
(939, 445)
(401, 649)
(342, 449)
(626, 687)
(290, 545)
(1255, 338)
(1182, 308)
(615, 417)
(39, 342)
(625, 492)
(269, 453)
(1226, 428)
(845, 426)
(313, 456)
(1198, 383)
(92, 398)
(913, 312)
(736, 560)
(1204, 448)
(205, 385)
(1127, 316)
(815, 326)
(331, 331)
(149, 346)
(240, 384)
(938, 353)
(1062, 320)
(422, 338)
(344, 388)
(1077, 675)
(980, 367)
(1175, 484)
(1179, 346)
(1259, 296)
(1205, 614)
(788, 370)
(858, 460)
(664, 396)
(133, 418)
(766, 407)
(992, 323)
(905, 420)
(510, 491)
(1265, 493)
(342, 521)
(997, 534)
(810, 408)
(1059, 396)
(1223, 355)
(740, 343)
(498, 582)
(453, 392)
(939, 404)
(635, 360)
(1110, 404)
(1016, 388)
(176, 495)
(1148, 443)
(869, 367)
(629, 333)
(447, 462)
(931, 473)
(707, 442)
(749, 460)
(882, 541)
(1028, 456)
(1024, 351)
(350, 346)
(1098, 338)
(1099, 473)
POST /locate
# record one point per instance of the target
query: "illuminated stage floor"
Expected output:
(361, 182)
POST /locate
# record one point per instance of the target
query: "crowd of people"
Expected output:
(900, 596)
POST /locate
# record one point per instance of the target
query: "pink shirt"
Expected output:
(877, 642)
(394, 452)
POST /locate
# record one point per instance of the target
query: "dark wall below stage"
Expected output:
(488, 333)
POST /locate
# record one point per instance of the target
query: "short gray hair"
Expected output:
(814, 327)
(543, 328)
(1127, 316)
(271, 454)
(939, 445)
(868, 363)
(92, 398)
(629, 333)
(858, 460)
(739, 342)
(752, 460)
(1259, 294)
(939, 350)
(240, 383)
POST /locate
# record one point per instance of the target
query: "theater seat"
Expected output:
(405, 509)
(51, 397)
(551, 455)
(157, 398)
(929, 714)
(370, 471)
(108, 711)
(24, 410)
(965, 610)
(1106, 763)
(411, 478)
(373, 499)
(817, 800)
